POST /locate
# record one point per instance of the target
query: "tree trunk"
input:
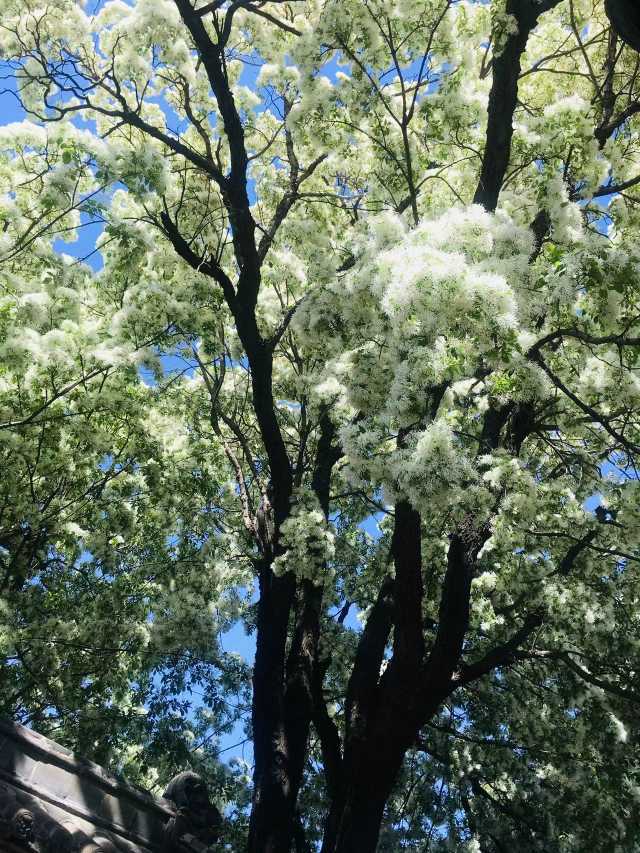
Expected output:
(271, 825)
(365, 795)
(371, 767)
(360, 827)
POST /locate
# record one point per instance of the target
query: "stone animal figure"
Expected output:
(196, 816)
(624, 16)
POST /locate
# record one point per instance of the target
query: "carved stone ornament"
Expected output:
(624, 16)
(52, 801)
(197, 822)
(31, 829)
(27, 825)
(22, 827)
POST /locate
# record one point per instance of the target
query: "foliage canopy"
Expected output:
(372, 261)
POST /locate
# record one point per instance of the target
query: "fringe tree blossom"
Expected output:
(353, 366)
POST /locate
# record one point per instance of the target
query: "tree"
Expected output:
(401, 260)
(102, 507)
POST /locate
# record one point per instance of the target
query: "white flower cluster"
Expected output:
(433, 462)
(424, 308)
(307, 538)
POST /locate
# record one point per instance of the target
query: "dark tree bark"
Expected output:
(625, 19)
(503, 99)
(279, 736)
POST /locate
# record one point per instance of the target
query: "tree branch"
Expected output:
(406, 548)
(503, 99)
(453, 619)
(206, 267)
(363, 682)
(501, 655)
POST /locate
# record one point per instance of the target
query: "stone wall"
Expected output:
(54, 802)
